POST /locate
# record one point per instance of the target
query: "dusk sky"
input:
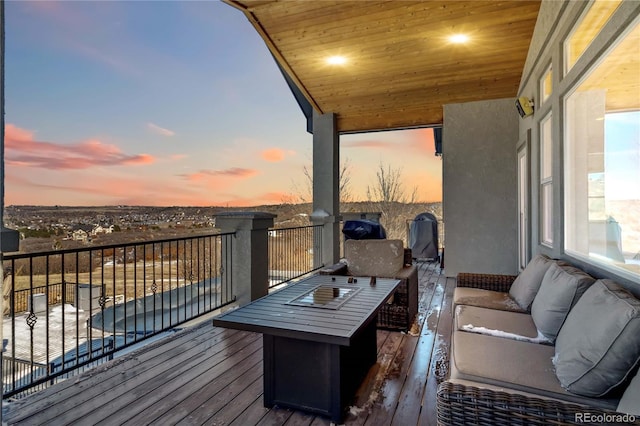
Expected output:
(166, 103)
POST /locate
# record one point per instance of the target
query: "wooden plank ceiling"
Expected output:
(400, 65)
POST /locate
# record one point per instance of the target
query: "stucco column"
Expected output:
(249, 254)
(326, 186)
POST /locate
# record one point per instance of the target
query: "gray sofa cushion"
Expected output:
(526, 285)
(562, 286)
(521, 366)
(630, 402)
(599, 344)
(485, 299)
(512, 325)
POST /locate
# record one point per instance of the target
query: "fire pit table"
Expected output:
(319, 339)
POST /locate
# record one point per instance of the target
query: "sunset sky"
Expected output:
(166, 103)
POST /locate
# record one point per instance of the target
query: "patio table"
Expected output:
(319, 339)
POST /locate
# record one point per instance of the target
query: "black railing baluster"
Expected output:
(289, 251)
(76, 297)
(64, 298)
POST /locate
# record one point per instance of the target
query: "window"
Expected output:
(546, 85)
(590, 24)
(602, 161)
(546, 180)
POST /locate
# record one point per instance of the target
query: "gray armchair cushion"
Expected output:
(630, 402)
(561, 287)
(526, 285)
(599, 344)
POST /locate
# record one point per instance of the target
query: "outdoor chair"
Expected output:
(383, 259)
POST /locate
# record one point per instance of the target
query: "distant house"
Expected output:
(102, 229)
(82, 233)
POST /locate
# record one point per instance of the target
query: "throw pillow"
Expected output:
(560, 289)
(526, 285)
(599, 344)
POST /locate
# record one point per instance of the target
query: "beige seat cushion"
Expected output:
(561, 288)
(512, 325)
(485, 299)
(379, 258)
(527, 283)
(599, 344)
(512, 364)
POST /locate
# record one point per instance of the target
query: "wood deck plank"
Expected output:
(384, 412)
(199, 414)
(253, 413)
(68, 389)
(143, 384)
(439, 356)
(409, 404)
(172, 403)
(77, 393)
(235, 408)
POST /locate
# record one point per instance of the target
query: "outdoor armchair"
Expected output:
(385, 259)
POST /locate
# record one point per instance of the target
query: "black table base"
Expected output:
(317, 377)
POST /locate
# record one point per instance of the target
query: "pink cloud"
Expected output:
(275, 155)
(236, 172)
(177, 156)
(417, 140)
(22, 150)
(265, 198)
(160, 130)
(421, 140)
(370, 144)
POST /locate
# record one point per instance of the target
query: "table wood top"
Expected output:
(273, 314)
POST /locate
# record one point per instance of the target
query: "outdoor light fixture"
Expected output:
(336, 60)
(459, 38)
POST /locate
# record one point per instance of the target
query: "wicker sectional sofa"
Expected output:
(550, 346)
(383, 258)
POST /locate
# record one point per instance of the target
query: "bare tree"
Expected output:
(304, 191)
(389, 197)
(389, 187)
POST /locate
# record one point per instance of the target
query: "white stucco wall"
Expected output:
(479, 189)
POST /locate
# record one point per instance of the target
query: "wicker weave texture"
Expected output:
(495, 282)
(395, 316)
(459, 404)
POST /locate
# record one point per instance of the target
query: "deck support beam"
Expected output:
(326, 187)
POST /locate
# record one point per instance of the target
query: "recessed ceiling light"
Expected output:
(459, 38)
(336, 60)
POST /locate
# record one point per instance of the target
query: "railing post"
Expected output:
(250, 259)
(329, 251)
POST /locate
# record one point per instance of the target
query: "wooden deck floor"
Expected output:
(205, 375)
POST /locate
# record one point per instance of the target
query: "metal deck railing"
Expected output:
(70, 309)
